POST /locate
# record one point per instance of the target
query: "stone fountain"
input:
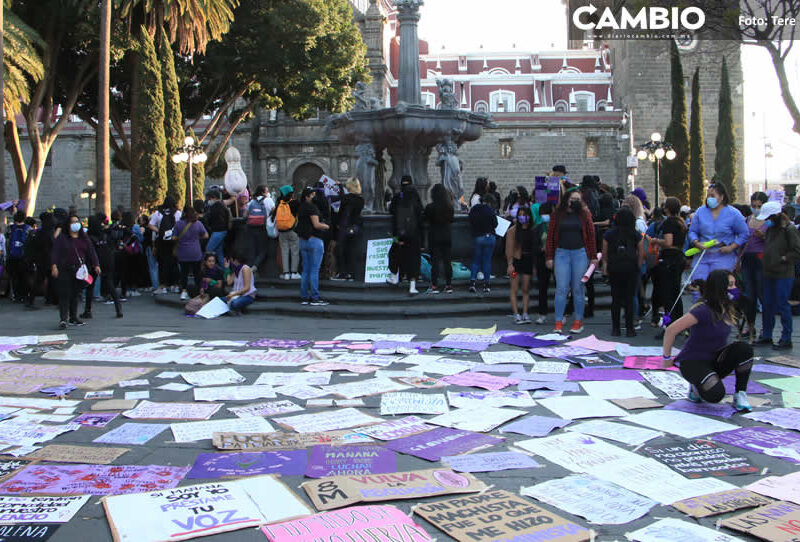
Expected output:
(408, 131)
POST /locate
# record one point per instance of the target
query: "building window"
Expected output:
(584, 101)
(602, 105)
(506, 148)
(462, 63)
(561, 106)
(499, 71)
(592, 148)
(502, 101)
(273, 115)
(523, 106)
(481, 107)
(429, 99)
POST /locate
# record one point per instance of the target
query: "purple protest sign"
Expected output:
(604, 374)
(279, 343)
(527, 385)
(435, 444)
(92, 479)
(95, 419)
(562, 352)
(526, 340)
(350, 461)
(540, 377)
(287, 463)
(535, 426)
(723, 410)
(772, 442)
(761, 368)
(752, 387)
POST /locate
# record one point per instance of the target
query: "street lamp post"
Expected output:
(88, 194)
(192, 154)
(655, 150)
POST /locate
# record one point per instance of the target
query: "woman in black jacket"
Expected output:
(71, 250)
(404, 256)
(349, 231)
(440, 215)
(104, 243)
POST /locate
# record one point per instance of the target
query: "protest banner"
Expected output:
(480, 419)
(201, 510)
(193, 431)
(433, 445)
(357, 523)
(350, 460)
(765, 440)
(327, 421)
(700, 458)
(776, 522)
(676, 529)
(782, 488)
(148, 410)
(286, 463)
(499, 515)
(395, 429)
(92, 479)
(17, 510)
(66, 453)
(413, 403)
(596, 500)
(376, 270)
(27, 532)
(339, 491)
(131, 433)
(284, 441)
(21, 379)
(489, 462)
(720, 503)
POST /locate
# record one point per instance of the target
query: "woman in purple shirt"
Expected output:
(751, 265)
(71, 249)
(706, 357)
(188, 232)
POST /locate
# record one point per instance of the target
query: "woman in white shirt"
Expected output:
(240, 277)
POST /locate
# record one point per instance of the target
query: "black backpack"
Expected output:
(623, 254)
(407, 223)
(167, 223)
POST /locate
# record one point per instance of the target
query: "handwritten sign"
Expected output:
(266, 409)
(782, 488)
(350, 460)
(480, 419)
(93, 479)
(720, 503)
(377, 264)
(413, 403)
(433, 445)
(148, 410)
(778, 522)
(284, 441)
(131, 433)
(489, 462)
(193, 431)
(18, 510)
(765, 440)
(395, 429)
(700, 458)
(66, 453)
(676, 529)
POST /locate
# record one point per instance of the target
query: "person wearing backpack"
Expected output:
(406, 210)
(105, 247)
(256, 213)
(439, 214)
(482, 223)
(285, 218)
(349, 230)
(310, 229)
(16, 263)
(162, 223)
(38, 247)
(623, 255)
(218, 222)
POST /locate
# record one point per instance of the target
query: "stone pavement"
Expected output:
(142, 316)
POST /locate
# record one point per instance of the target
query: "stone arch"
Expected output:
(481, 106)
(601, 105)
(561, 106)
(523, 106)
(306, 173)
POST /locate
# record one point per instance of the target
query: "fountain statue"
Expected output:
(409, 131)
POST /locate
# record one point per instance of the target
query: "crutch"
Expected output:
(667, 319)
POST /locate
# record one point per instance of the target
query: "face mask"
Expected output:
(575, 205)
(545, 218)
(733, 294)
(522, 219)
(755, 210)
(712, 203)
(75, 227)
(769, 223)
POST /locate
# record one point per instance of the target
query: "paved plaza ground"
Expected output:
(142, 315)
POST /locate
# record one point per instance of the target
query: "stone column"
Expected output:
(408, 87)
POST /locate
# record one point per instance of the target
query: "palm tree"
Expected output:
(22, 62)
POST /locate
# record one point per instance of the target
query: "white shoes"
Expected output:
(295, 276)
(412, 289)
(184, 295)
(393, 278)
(541, 320)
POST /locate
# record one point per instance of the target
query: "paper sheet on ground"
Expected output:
(478, 399)
(131, 433)
(285, 441)
(480, 380)
(433, 445)
(481, 419)
(65, 453)
(446, 366)
(616, 389)
(679, 423)
(593, 343)
(788, 418)
(21, 433)
(535, 426)
(222, 465)
(395, 429)
(234, 393)
(782, 488)
(671, 383)
(626, 434)
(284, 379)
(575, 407)
(765, 440)
(413, 403)
(720, 503)
(489, 462)
(193, 431)
(213, 309)
(776, 522)
(148, 410)
(508, 356)
(92, 479)
(469, 331)
(23, 510)
(362, 388)
(215, 377)
(676, 529)
(20, 378)
(327, 421)
(272, 408)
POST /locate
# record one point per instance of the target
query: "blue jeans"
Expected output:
(569, 267)
(240, 302)
(152, 266)
(311, 252)
(482, 250)
(753, 277)
(216, 242)
(776, 301)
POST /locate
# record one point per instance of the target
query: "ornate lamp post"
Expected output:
(656, 150)
(89, 193)
(193, 154)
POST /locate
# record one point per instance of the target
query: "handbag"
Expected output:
(83, 272)
(196, 303)
(272, 229)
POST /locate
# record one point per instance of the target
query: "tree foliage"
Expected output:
(173, 120)
(22, 61)
(725, 166)
(675, 173)
(697, 171)
(149, 146)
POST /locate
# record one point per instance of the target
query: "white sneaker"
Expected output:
(393, 279)
(541, 320)
(412, 288)
(295, 276)
(286, 276)
(174, 290)
(134, 293)
(480, 275)
(526, 319)
(159, 291)
(184, 295)
(518, 319)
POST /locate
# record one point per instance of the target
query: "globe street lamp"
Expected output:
(193, 154)
(88, 193)
(656, 150)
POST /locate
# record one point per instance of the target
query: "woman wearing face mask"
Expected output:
(570, 250)
(69, 253)
(543, 273)
(751, 264)
(519, 255)
(719, 221)
(781, 250)
(706, 358)
(671, 261)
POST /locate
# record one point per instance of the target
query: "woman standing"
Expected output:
(519, 256)
(242, 282)
(350, 230)
(482, 223)
(781, 251)
(623, 254)
(440, 215)
(161, 224)
(545, 211)
(310, 230)
(406, 210)
(751, 263)
(671, 260)
(717, 220)
(285, 217)
(70, 252)
(570, 250)
(481, 187)
(188, 232)
(105, 248)
(706, 357)
(256, 213)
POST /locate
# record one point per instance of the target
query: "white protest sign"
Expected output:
(214, 377)
(676, 529)
(479, 399)
(550, 367)
(395, 429)
(616, 389)
(478, 419)
(234, 393)
(284, 379)
(377, 264)
(365, 359)
(148, 410)
(301, 391)
(214, 308)
(508, 356)
(327, 421)
(374, 337)
(266, 409)
(669, 382)
(21, 433)
(446, 366)
(16, 510)
(576, 407)
(502, 226)
(361, 388)
(413, 403)
(679, 423)
(620, 432)
(192, 431)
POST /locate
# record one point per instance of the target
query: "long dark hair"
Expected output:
(523, 235)
(481, 186)
(715, 296)
(524, 198)
(563, 205)
(441, 199)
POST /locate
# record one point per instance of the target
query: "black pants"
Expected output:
(40, 278)
(441, 255)
(107, 289)
(405, 259)
(543, 282)
(69, 288)
(669, 272)
(167, 264)
(194, 269)
(18, 271)
(346, 253)
(707, 375)
(257, 239)
(623, 289)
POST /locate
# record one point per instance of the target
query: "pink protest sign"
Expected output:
(353, 523)
(480, 380)
(647, 362)
(92, 479)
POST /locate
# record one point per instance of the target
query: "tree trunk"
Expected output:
(2, 119)
(779, 63)
(135, 181)
(103, 150)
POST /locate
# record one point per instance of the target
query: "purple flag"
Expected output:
(752, 387)
(535, 426)
(350, 460)
(723, 410)
(435, 444)
(287, 463)
(526, 340)
(604, 374)
(765, 440)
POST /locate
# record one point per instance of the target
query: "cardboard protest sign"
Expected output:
(327, 421)
(433, 445)
(339, 491)
(720, 503)
(92, 479)
(791, 361)
(782, 488)
(356, 523)
(16, 510)
(201, 510)
(596, 500)
(765, 440)
(131, 433)
(287, 463)
(499, 515)
(776, 522)
(21, 379)
(350, 460)
(27, 532)
(676, 529)
(395, 429)
(284, 441)
(477, 419)
(700, 458)
(114, 404)
(64, 453)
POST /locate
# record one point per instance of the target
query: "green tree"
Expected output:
(149, 147)
(725, 160)
(697, 172)
(675, 173)
(198, 175)
(22, 61)
(173, 120)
